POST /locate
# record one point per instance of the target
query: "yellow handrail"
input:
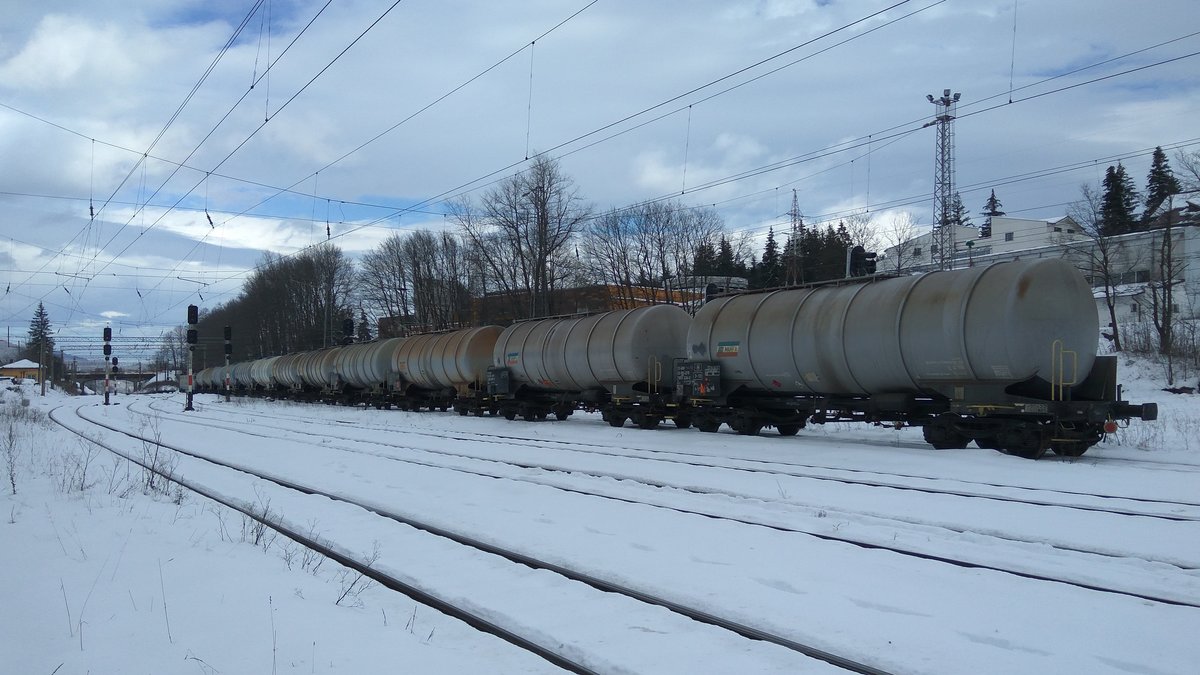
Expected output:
(1058, 375)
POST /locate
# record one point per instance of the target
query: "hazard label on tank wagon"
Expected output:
(728, 349)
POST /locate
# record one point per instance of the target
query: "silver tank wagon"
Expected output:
(369, 365)
(1004, 323)
(456, 360)
(621, 351)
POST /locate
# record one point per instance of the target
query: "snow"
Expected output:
(118, 578)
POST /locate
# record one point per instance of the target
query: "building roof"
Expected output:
(23, 363)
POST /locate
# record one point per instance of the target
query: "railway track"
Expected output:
(1057, 571)
(559, 657)
(1130, 505)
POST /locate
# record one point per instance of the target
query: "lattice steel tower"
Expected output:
(945, 214)
(794, 273)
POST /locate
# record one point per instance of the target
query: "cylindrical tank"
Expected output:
(368, 364)
(1007, 322)
(239, 376)
(318, 368)
(201, 379)
(214, 378)
(260, 371)
(621, 348)
(286, 371)
(458, 359)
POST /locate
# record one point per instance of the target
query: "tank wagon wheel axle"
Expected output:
(645, 421)
(1029, 440)
(788, 429)
(748, 426)
(943, 437)
(1069, 448)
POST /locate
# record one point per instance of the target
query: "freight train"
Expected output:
(1004, 356)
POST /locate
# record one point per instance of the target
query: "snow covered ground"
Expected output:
(105, 572)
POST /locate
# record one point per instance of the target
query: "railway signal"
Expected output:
(193, 316)
(108, 360)
(228, 353)
(860, 262)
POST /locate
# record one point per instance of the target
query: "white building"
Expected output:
(1134, 260)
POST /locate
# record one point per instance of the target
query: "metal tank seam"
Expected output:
(749, 326)
(612, 345)
(962, 322)
(842, 337)
(576, 323)
(900, 335)
(808, 293)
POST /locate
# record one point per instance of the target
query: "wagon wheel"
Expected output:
(561, 415)
(788, 429)
(708, 425)
(942, 437)
(1069, 448)
(647, 422)
(1027, 441)
(748, 427)
(616, 420)
(682, 421)
(510, 414)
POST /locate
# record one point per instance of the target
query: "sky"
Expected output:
(374, 112)
(772, 531)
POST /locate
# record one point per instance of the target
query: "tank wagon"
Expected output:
(1004, 356)
(432, 371)
(617, 362)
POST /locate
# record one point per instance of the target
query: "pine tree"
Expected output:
(771, 268)
(705, 261)
(1118, 203)
(991, 209)
(40, 336)
(725, 262)
(1161, 183)
(364, 327)
(959, 213)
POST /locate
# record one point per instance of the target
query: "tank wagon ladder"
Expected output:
(1058, 379)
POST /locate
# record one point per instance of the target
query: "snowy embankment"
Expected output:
(119, 577)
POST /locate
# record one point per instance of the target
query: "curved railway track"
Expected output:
(471, 618)
(1036, 496)
(1063, 576)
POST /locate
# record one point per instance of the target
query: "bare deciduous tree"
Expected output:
(648, 245)
(900, 241)
(383, 278)
(520, 228)
(1108, 259)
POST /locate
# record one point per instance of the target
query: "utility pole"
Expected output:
(42, 363)
(945, 219)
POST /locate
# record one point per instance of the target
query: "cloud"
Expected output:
(117, 70)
